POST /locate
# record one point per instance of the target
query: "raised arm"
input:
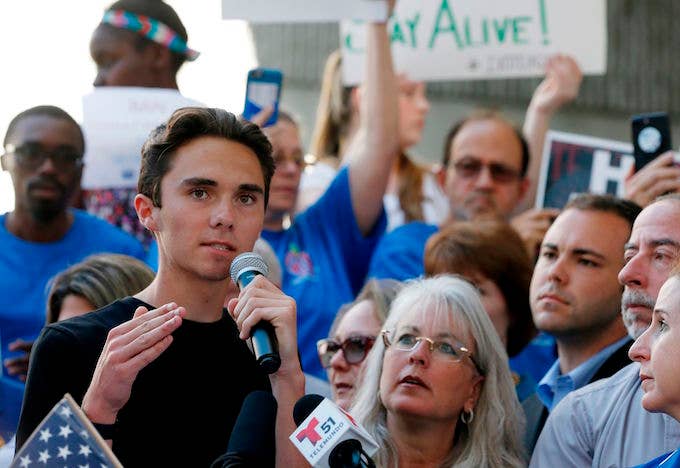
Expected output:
(560, 86)
(374, 149)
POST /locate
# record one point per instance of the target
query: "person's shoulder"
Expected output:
(100, 230)
(98, 322)
(627, 377)
(412, 230)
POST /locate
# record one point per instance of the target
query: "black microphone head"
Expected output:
(247, 261)
(253, 433)
(305, 406)
(349, 454)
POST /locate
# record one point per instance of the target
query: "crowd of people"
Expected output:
(457, 324)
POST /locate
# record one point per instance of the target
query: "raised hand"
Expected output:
(18, 366)
(129, 348)
(532, 225)
(561, 84)
(261, 300)
(656, 178)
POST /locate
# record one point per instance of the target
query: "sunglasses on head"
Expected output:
(354, 349)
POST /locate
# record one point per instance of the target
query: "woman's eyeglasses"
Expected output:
(449, 351)
(354, 349)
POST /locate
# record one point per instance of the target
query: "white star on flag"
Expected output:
(64, 452)
(44, 456)
(65, 437)
(45, 435)
(65, 411)
(64, 431)
(85, 450)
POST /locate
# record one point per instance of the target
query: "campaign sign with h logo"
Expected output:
(324, 429)
(577, 163)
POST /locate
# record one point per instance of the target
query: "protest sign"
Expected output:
(299, 11)
(479, 39)
(576, 163)
(116, 123)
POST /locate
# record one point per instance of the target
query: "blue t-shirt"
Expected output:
(400, 254)
(667, 460)
(26, 267)
(324, 258)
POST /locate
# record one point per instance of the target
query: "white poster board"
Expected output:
(577, 163)
(116, 122)
(480, 39)
(301, 11)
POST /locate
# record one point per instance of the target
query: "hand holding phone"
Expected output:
(263, 90)
(651, 137)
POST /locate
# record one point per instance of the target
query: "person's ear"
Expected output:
(158, 58)
(147, 212)
(523, 187)
(440, 174)
(355, 99)
(3, 162)
(475, 391)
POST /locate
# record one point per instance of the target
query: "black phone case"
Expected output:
(656, 140)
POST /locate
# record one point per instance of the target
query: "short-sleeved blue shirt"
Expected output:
(324, 258)
(26, 267)
(400, 254)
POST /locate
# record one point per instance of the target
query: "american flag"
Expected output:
(65, 438)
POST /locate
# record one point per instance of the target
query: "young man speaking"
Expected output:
(164, 373)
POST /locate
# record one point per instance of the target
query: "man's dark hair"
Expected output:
(187, 124)
(485, 114)
(157, 10)
(625, 209)
(47, 111)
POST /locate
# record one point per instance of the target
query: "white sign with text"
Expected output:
(303, 11)
(480, 39)
(116, 123)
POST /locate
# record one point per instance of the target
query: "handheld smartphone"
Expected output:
(263, 89)
(651, 137)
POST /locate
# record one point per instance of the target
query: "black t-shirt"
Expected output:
(183, 405)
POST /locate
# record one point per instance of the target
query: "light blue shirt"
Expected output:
(554, 386)
(603, 424)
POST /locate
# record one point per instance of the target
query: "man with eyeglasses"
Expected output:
(576, 297)
(487, 171)
(43, 152)
(484, 175)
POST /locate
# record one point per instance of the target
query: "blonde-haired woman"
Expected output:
(437, 389)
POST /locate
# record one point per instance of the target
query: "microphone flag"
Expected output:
(324, 429)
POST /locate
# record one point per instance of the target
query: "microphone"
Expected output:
(252, 441)
(244, 268)
(329, 437)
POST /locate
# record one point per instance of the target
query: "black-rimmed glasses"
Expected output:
(33, 155)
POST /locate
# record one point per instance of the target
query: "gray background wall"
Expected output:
(642, 75)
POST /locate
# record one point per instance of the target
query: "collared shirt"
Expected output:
(604, 425)
(554, 386)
